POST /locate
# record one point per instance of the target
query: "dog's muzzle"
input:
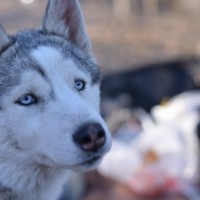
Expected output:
(90, 137)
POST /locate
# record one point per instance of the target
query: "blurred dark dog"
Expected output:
(149, 85)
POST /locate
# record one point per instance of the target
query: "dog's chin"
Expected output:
(87, 165)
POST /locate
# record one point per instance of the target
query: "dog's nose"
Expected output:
(90, 137)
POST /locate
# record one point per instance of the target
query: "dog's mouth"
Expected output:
(89, 162)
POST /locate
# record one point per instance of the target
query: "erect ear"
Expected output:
(4, 39)
(65, 18)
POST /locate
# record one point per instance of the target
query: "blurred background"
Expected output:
(149, 52)
(131, 32)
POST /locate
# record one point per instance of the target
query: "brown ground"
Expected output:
(100, 188)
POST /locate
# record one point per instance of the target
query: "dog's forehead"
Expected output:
(65, 49)
(19, 57)
(28, 41)
(52, 63)
(37, 40)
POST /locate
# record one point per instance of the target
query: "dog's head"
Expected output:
(49, 93)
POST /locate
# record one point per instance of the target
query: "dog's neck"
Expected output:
(43, 184)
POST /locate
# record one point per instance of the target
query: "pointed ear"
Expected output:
(65, 18)
(4, 39)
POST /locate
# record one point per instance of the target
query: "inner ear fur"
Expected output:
(4, 39)
(65, 18)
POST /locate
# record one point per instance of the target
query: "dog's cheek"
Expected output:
(92, 96)
(21, 128)
(26, 136)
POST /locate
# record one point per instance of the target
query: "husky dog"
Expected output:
(49, 105)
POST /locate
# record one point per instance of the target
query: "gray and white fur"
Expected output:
(49, 106)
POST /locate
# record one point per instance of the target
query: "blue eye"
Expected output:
(27, 100)
(80, 84)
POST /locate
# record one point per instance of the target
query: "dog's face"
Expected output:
(49, 94)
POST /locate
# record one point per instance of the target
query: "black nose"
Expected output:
(90, 137)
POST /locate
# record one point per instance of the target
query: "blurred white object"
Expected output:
(27, 1)
(164, 157)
